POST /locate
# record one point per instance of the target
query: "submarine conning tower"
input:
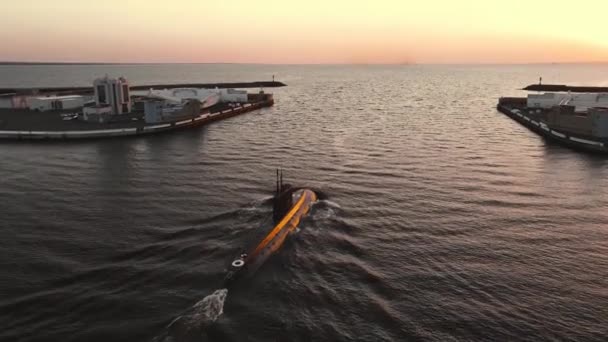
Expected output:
(283, 198)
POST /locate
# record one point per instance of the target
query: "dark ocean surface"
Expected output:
(443, 220)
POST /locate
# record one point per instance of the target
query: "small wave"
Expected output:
(324, 214)
(197, 319)
(325, 209)
(259, 203)
(331, 204)
(256, 208)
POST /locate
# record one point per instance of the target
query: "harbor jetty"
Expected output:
(565, 88)
(576, 117)
(112, 108)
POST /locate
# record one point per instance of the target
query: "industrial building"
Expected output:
(112, 97)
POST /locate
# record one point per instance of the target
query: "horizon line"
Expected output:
(8, 62)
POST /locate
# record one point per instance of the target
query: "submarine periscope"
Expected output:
(290, 206)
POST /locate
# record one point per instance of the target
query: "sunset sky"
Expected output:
(312, 31)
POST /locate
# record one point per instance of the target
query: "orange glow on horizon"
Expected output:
(315, 31)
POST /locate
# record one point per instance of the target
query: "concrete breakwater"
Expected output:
(65, 132)
(89, 90)
(535, 120)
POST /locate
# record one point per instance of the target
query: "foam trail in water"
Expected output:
(208, 309)
(325, 209)
(194, 322)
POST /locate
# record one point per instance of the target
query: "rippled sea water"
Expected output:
(444, 220)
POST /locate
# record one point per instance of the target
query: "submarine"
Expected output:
(290, 206)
